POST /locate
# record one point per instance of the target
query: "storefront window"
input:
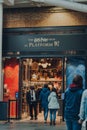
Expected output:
(11, 83)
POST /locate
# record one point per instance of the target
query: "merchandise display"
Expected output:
(37, 72)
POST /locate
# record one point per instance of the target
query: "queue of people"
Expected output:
(75, 103)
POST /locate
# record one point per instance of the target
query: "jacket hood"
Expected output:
(53, 94)
(74, 87)
(44, 90)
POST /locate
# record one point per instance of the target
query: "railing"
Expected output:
(12, 109)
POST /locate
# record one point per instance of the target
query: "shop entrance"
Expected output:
(37, 72)
(59, 71)
(19, 76)
(59, 51)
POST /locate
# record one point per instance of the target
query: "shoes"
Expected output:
(51, 123)
(31, 118)
(54, 123)
(35, 118)
(45, 121)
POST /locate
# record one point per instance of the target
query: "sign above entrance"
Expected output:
(44, 42)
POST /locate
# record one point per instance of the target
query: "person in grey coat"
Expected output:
(83, 107)
(53, 105)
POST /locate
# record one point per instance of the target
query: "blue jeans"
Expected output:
(45, 113)
(53, 114)
(73, 125)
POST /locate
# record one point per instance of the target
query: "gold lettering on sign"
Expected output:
(56, 43)
(42, 42)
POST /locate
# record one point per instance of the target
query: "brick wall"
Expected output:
(39, 17)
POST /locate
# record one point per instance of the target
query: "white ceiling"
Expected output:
(77, 5)
(31, 3)
(25, 3)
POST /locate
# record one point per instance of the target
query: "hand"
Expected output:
(80, 121)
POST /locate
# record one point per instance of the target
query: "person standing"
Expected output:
(53, 105)
(32, 100)
(39, 103)
(83, 108)
(44, 101)
(72, 102)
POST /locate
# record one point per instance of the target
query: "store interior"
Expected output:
(37, 72)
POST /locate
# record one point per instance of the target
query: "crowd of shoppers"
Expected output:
(75, 103)
(49, 102)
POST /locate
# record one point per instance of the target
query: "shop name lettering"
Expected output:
(42, 42)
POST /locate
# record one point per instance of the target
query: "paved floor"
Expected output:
(27, 124)
(30, 126)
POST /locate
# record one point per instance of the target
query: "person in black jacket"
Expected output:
(32, 100)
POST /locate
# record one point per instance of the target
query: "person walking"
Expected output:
(72, 102)
(83, 108)
(32, 100)
(53, 105)
(44, 101)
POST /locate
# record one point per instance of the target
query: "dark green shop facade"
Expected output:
(35, 56)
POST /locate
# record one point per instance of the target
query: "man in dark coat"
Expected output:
(32, 100)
